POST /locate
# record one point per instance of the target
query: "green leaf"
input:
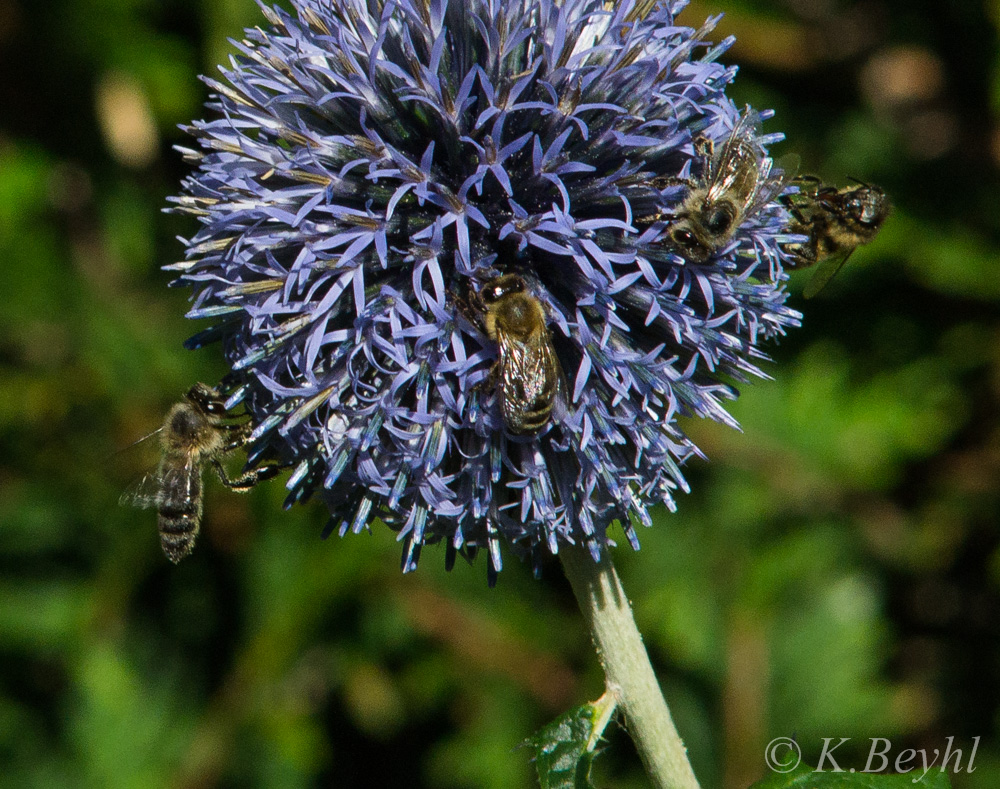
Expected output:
(565, 749)
(804, 777)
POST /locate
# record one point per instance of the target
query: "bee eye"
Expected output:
(866, 212)
(510, 283)
(684, 238)
(856, 209)
(718, 220)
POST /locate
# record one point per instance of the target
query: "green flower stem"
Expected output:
(627, 669)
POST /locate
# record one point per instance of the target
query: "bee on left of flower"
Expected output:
(196, 431)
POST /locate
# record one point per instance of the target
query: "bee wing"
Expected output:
(825, 271)
(144, 493)
(529, 371)
(774, 177)
(165, 482)
(736, 167)
(784, 172)
(516, 369)
(547, 370)
(809, 185)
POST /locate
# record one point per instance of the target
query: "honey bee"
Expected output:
(735, 183)
(527, 374)
(196, 431)
(836, 221)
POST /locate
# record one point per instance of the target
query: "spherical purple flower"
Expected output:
(470, 259)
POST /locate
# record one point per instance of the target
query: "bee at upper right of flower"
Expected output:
(735, 182)
(835, 221)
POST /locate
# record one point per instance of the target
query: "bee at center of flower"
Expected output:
(527, 374)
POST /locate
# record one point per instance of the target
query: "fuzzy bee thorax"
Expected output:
(517, 314)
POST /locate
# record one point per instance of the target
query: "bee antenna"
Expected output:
(858, 181)
(138, 441)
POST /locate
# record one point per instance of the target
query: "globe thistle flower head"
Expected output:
(453, 253)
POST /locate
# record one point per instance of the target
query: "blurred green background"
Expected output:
(834, 573)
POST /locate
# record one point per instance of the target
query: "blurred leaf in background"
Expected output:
(834, 573)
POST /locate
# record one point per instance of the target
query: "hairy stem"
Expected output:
(627, 669)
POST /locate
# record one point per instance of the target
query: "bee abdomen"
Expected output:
(178, 526)
(526, 410)
(528, 422)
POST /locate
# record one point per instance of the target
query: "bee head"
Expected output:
(496, 289)
(206, 399)
(684, 239)
(692, 248)
(868, 206)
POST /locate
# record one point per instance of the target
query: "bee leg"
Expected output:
(802, 256)
(811, 188)
(802, 222)
(246, 480)
(241, 439)
(666, 181)
(492, 380)
(660, 183)
(471, 307)
(802, 209)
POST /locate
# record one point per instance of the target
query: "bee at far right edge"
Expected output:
(836, 222)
